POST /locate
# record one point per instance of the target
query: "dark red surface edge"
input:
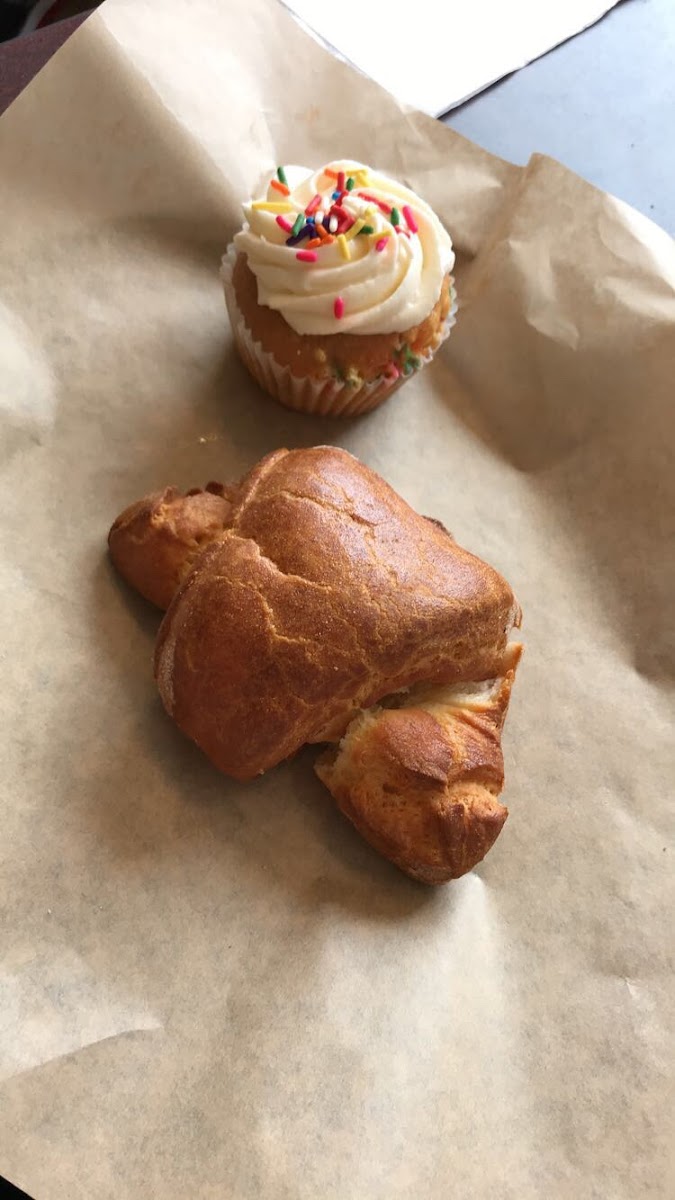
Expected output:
(22, 58)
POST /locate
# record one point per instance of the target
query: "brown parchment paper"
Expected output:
(211, 990)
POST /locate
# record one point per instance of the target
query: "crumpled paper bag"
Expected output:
(217, 990)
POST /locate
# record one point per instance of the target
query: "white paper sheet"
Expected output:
(434, 54)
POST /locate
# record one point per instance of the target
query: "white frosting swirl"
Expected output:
(382, 291)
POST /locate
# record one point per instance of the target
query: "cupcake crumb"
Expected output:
(407, 361)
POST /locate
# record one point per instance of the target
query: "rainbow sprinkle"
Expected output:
(410, 218)
(385, 208)
(304, 232)
(326, 220)
(410, 361)
(280, 187)
(271, 206)
(354, 229)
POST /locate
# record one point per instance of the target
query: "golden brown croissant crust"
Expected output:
(154, 542)
(420, 782)
(307, 594)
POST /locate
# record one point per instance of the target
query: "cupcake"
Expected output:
(338, 287)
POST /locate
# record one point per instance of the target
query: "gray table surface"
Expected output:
(603, 104)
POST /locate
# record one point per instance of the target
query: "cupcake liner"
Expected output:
(324, 397)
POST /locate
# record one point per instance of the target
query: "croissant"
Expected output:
(311, 604)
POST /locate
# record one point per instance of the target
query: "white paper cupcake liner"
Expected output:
(324, 397)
